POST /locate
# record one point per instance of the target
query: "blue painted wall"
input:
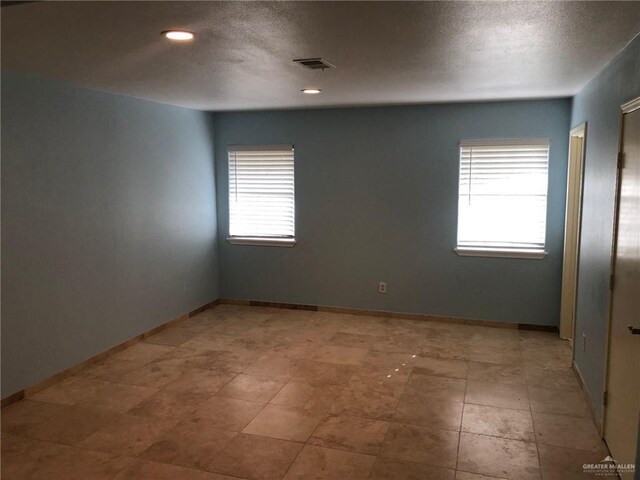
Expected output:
(376, 200)
(598, 104)
(108, 222)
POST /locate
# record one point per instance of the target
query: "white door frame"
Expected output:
(628, 107)
(572, 230)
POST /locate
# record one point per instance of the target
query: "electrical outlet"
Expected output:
(382, 287)
(584, 342)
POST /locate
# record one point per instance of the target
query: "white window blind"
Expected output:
(261, 191)
(502, 203)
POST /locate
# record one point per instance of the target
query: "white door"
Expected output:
(623, 379)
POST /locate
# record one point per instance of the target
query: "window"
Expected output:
(261, 195)
(502, 198)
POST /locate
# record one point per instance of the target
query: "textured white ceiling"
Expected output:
(385, 52)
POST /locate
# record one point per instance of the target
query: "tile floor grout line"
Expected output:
(503, 408)
(403, 423)
(404, 387)
(490, 477)
(121, 414)
(464, 398)
(133, 458)
(533, 428)
(413, 462)
(533, 425)
(391, 421)
(324, 417)
(304, 445)
(343, 449)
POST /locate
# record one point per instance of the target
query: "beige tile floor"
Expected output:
(257, 393)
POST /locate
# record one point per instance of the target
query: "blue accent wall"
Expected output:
(108, 222)
(376, 200)
(598, 104)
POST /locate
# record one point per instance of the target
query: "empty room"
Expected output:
(320, 240)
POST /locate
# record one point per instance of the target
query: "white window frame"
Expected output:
(260, 240)
(498, 251)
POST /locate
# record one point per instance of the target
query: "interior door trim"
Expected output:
(579, 130)
(631, 106)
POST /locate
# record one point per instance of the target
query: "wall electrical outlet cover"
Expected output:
(382, 287)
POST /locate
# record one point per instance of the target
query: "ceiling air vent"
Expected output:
(314, 63)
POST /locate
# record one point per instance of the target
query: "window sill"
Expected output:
(497, 253)
(262, 241)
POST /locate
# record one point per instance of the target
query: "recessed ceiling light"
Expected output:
(311, 91)
(178, 35)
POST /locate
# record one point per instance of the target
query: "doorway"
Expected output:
(623, 382)
(573, 217)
